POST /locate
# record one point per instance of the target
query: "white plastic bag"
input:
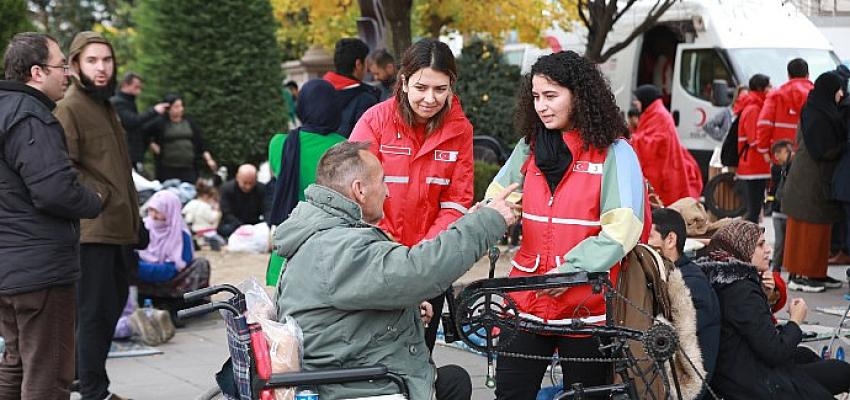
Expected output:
(286, 342)
(250, 239)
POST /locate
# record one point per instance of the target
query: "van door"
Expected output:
(696, 68)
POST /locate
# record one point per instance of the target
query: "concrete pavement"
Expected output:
(189, 361)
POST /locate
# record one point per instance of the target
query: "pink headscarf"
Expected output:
(166, 237)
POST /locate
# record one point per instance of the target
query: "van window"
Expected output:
(699, 69)
(773, 62)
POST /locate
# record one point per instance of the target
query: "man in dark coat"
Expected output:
(668, 234)
(41, 203)
(243, 201)
(134, 123)
(354, 97)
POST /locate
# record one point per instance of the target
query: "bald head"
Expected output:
(246, 177)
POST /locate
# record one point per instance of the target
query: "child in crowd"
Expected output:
(202, 214)
(783, 151)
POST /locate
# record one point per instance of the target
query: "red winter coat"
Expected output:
(751, 164)
(666, 164)
(780, 115)
(429, 178)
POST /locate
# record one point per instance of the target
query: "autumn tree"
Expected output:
(328, 21)
(601, 16)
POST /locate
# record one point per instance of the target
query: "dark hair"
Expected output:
(171, 98)
(341, 164)
(668, 220)
(25, 50)
(633, 112)
(205, 187)
(426, 53)
(798, 68)
(381, 57)
(129, 77)
(291, 85)
(346, 53)
(594, 110)
(781, 144)
(759, 82)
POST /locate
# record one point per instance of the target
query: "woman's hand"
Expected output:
(211, 164)
(155, 148)
(767, 281)
(798, 309)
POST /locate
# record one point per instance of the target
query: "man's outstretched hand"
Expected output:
(504, 207)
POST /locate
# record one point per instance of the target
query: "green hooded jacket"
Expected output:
(356, 293)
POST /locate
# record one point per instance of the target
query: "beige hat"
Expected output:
(83, 39)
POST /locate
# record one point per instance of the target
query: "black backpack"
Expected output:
(729, 153)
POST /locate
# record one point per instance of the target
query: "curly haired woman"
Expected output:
(583, 203)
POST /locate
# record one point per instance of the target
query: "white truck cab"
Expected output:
(697, 53)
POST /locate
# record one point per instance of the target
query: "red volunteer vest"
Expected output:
(552, 224)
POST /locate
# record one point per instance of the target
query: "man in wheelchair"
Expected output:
(356, 293)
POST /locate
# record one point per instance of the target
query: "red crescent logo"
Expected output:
(702, 117)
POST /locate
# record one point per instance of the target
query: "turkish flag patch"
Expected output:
(445, 156)
(588, 167)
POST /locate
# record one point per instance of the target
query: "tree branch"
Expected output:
(647, 23)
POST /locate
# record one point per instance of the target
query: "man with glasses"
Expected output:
(41, 203)
(98, 148)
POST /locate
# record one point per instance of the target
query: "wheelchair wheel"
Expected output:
(724, 196)
(213, 393)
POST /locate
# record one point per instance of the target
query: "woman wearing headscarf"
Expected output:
(757, 359)
(667, 165)
(807, 199)
(167, 267)
(294, 156)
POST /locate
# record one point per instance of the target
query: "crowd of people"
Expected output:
(371, 205)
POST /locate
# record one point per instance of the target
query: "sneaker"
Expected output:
(802, 284)
(829, 283)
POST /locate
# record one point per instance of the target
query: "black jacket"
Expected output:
(708, 312)
(354, 102)
(135, 125)
(841, 177)
(756, 358)
(41, 199)
(240, 208)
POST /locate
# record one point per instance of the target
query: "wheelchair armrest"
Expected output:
(338, 375)
(327, 376)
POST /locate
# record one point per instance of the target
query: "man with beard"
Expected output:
(98, 149)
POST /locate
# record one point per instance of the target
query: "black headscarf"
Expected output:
(646, 94)
(551, 155)
(318, 114)
(820, 121)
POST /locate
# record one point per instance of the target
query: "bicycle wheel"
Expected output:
(213, 393)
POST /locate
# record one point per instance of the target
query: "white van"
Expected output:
(694, 44)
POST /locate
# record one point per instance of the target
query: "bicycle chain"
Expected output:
(567, 359)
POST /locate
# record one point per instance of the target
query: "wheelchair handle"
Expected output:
(209, 291)
(205, 308)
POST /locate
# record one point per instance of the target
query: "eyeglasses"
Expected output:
(65, 67)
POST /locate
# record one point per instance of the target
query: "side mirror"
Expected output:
(721, 95)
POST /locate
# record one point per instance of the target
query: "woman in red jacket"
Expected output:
(583, 209)
(424, 142)
(753, 169)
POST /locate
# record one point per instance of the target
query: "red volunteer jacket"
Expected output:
(429, 179)
(780, 115)
(751, 164)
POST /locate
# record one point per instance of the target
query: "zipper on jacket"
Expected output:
(398, 135)
(551, 200)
